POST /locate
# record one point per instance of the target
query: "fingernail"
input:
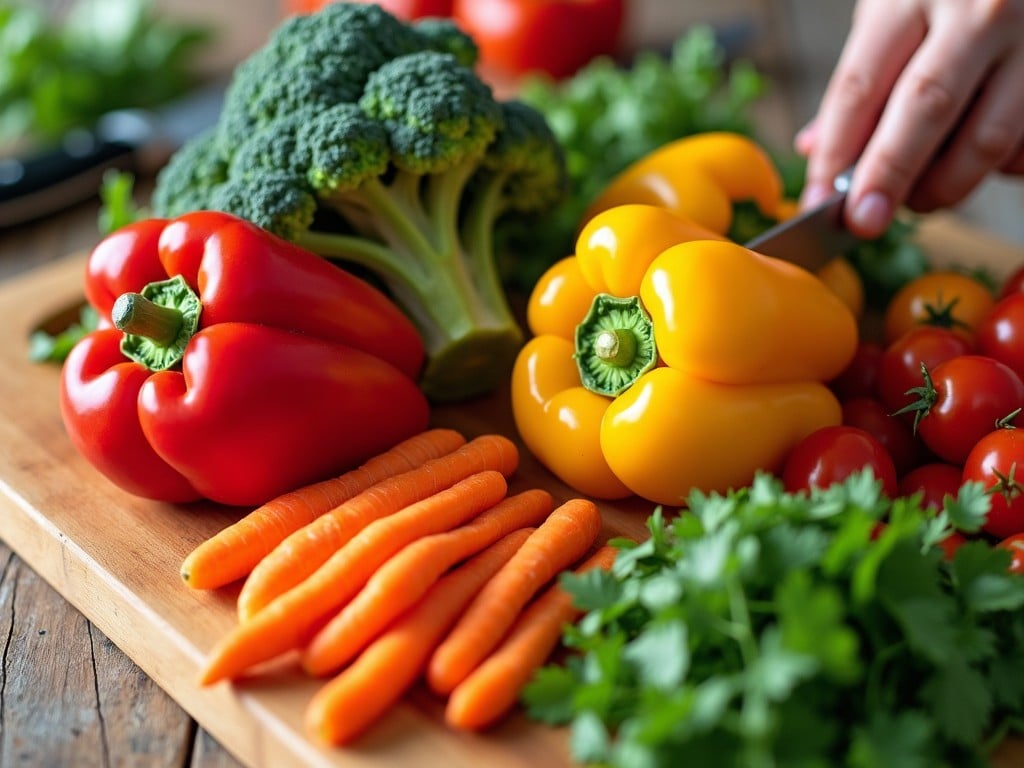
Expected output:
(814, 194)
(872, 213)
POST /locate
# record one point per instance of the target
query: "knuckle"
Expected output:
(992, 142)
(935, 99)
(853, 89)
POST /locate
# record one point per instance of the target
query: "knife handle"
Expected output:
(66, 174)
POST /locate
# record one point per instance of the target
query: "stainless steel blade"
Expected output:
(813, 237)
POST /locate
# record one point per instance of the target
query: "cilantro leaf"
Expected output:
(960, 701)
(984, 581)
(892, 740)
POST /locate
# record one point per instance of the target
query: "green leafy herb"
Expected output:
(117, 202)
(56, 75)
(44, 347)
(764, 628)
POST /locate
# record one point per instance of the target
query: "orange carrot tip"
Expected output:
(563, 538)
(232, 553)
(493, 688)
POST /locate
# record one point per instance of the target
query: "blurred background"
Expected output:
(794, 43)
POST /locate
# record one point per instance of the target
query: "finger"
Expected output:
(881, 41)
(985, 142)
(806, 138)
(928, 98)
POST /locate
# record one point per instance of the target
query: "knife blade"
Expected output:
(813, 237)
(129, 139)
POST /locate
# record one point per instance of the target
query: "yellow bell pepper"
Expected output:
(699, 177)
(665, 358)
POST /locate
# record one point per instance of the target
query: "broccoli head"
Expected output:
(373, 141)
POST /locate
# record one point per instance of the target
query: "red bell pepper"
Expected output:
(246, 366)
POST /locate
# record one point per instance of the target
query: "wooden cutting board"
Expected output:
(116, 558)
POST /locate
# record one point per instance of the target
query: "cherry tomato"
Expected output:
(1015, 544)
(831, 454)
(997, 461)
(894, 433)
(860, 377)
(1012, 283)
(403, 9)
(962, 400)
(899, 368)
(553, 36)
(1000, 334)
(947, 299)
(934, 481)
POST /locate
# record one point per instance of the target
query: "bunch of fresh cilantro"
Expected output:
(767, 629)
(57, 74)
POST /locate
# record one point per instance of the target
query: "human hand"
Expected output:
(927, 98)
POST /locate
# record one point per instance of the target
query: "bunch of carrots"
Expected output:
(416, 565)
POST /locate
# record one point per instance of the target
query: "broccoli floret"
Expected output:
(190, 176)
(372, 141)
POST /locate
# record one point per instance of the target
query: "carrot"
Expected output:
(355, 699)
(560, 540)
(233, 552)
(301, 553)
(404, 579)
(290, 620)
(493, 688)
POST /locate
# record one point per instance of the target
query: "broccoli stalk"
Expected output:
(372, 141)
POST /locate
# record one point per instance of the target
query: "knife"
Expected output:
(813, 237)
(129, 139)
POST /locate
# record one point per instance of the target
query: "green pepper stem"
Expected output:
(135, 314)
(158, 322)
(614, 344)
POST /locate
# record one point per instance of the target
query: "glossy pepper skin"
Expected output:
(699, 177)
(742, 345)
(296, 369)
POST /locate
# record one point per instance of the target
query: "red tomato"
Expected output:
(997, 461)
(934, 481)
(894, 433)
(947, 299)
(831, 454)
(1000, 334)
(860, 377)
(1015, 544)
(899, 368)
(403, 9)
(553, 36)
(1013, 283)
(967, 397)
